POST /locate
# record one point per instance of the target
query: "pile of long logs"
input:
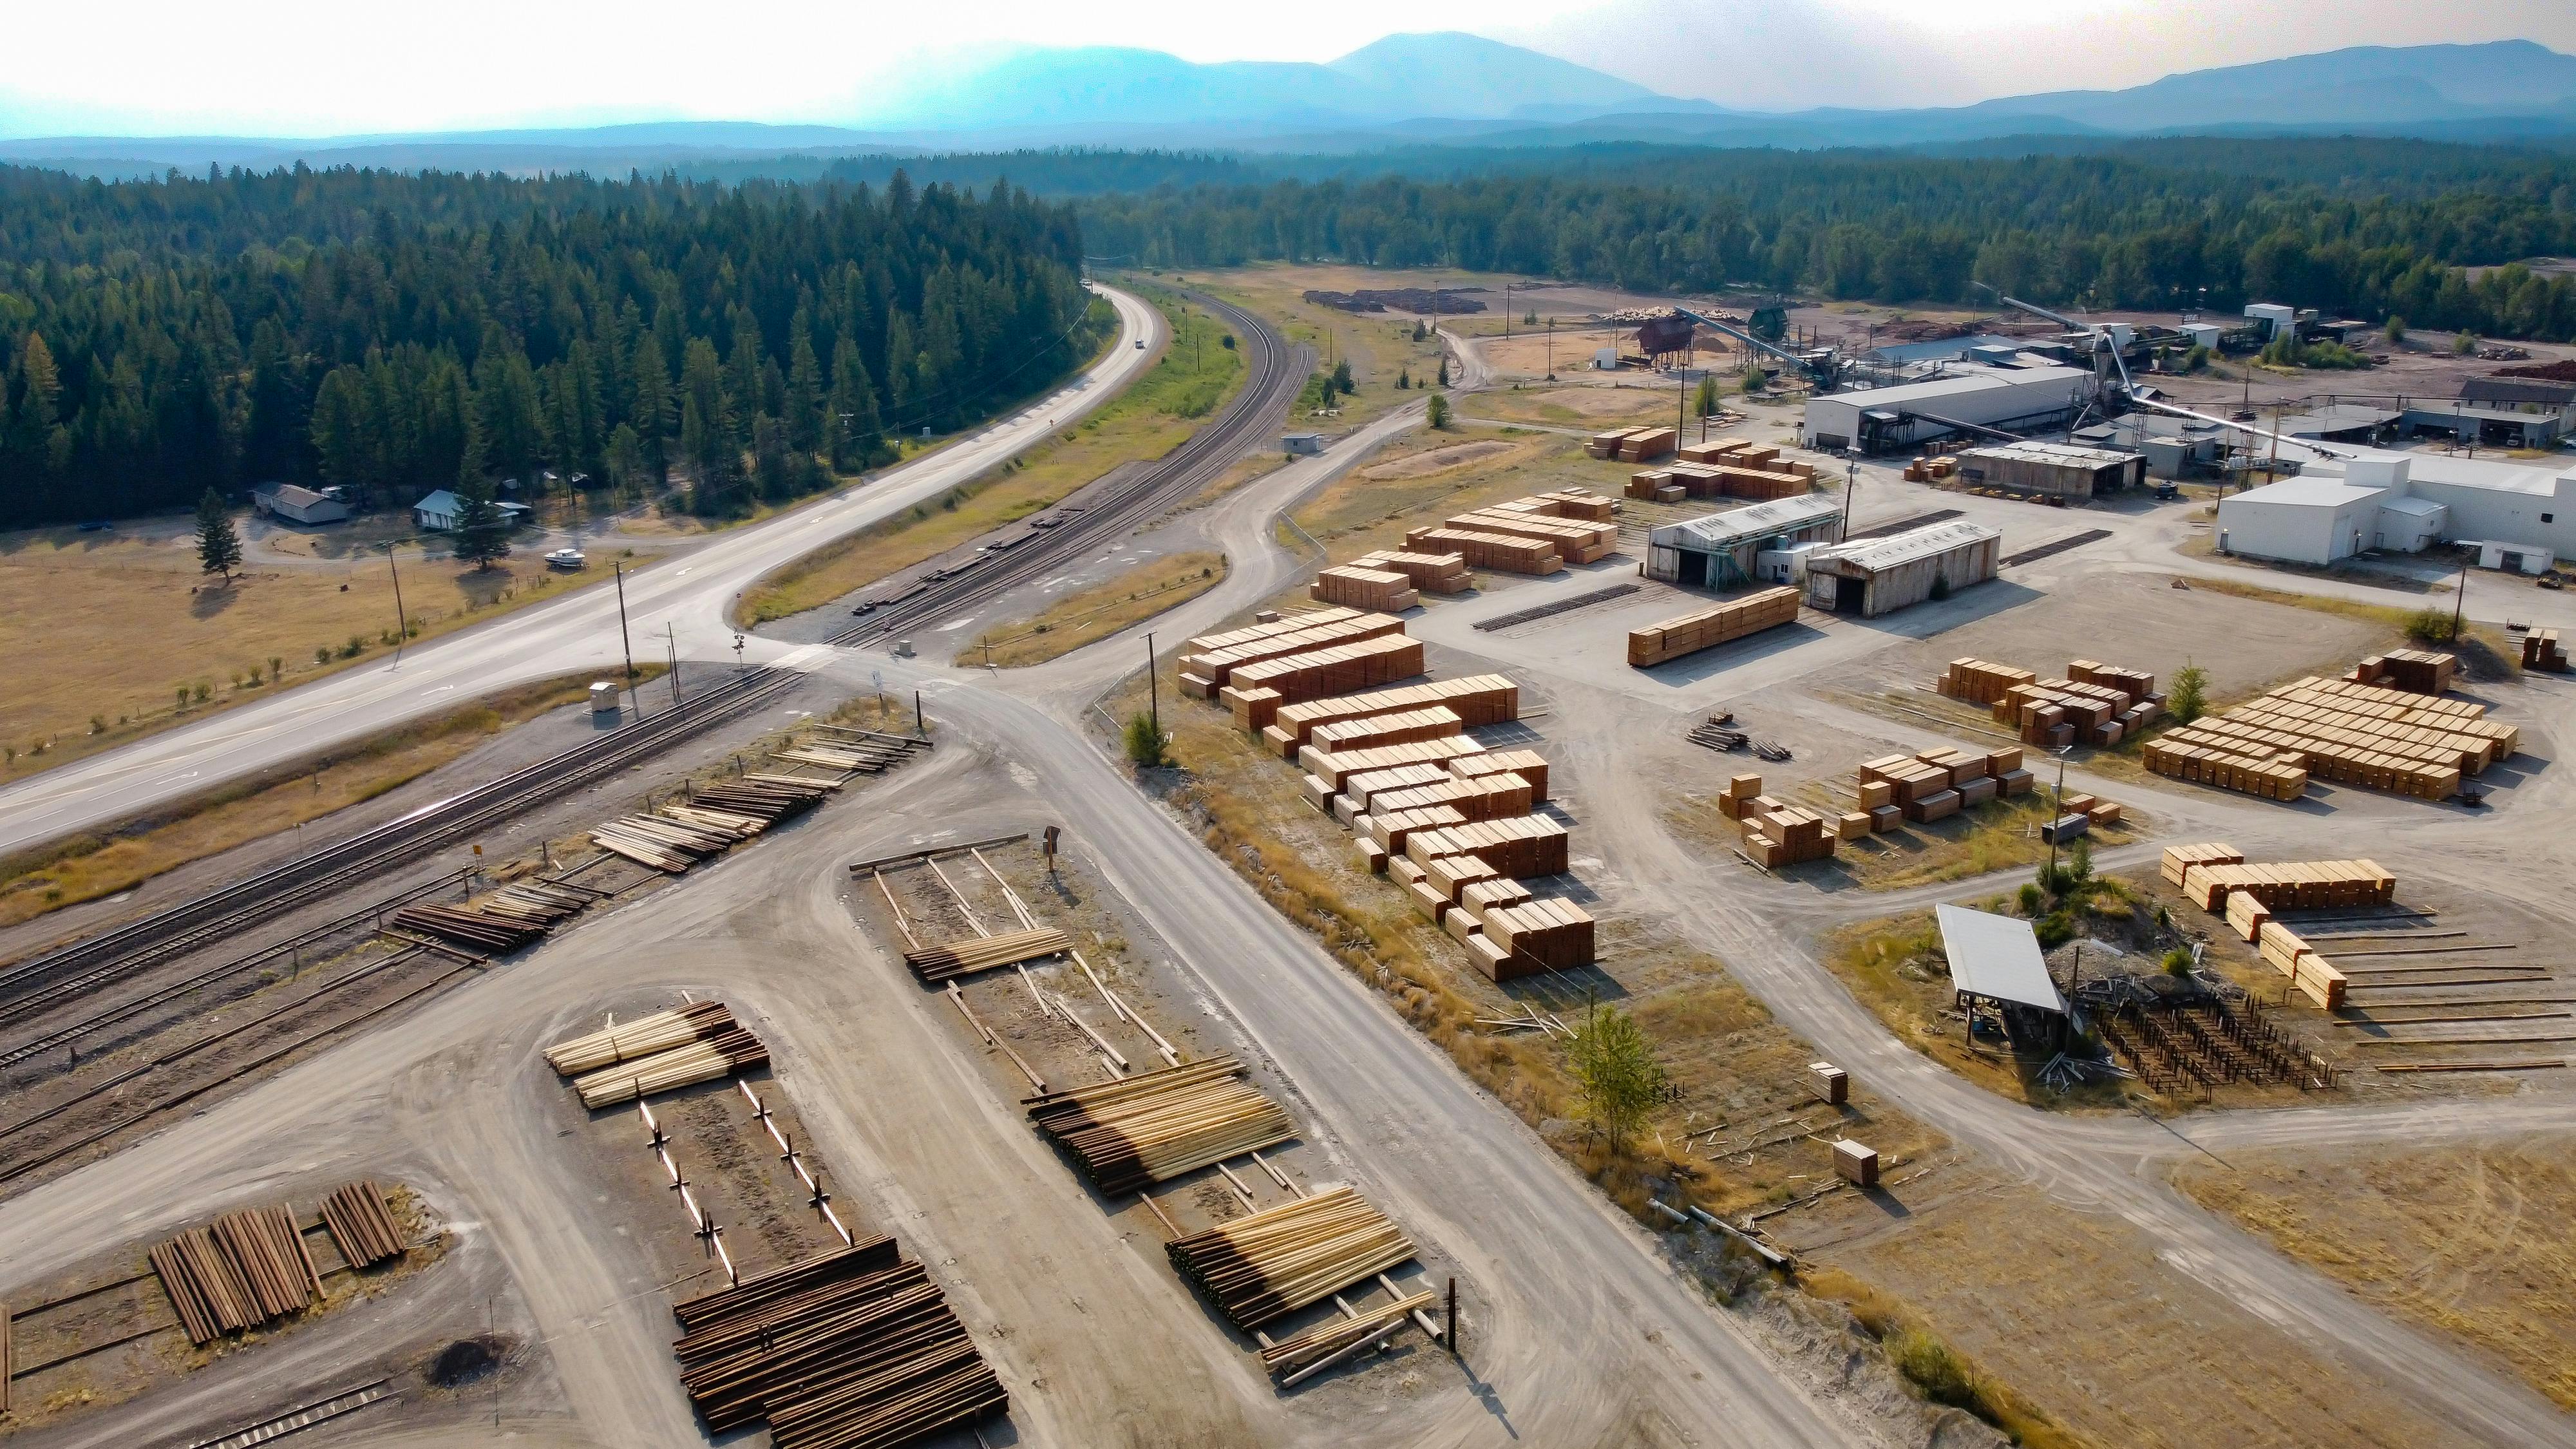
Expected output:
(722, 1055)
(655, 1032)
(244, 1270)
(1144, 1129)
(672, 842)
(1274, 1263)
(769, 797)
(464, 926)
(537, 902)
(966, 957)
(1334, 1337)
(867, 756)
(853, 1350)
(361, 1225)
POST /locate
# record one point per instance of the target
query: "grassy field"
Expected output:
(1097, 612)
(114, 636)
(89, 866)
(1427, 476)
(1379, 347)
(1193, 378)
(2484, 653)
(1592, 407)
(2468, 1241)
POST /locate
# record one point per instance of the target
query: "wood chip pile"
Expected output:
(1144, 1129)
(361, 1225)
(1273, 1263)
(2352, 734)
(643, 1037)
(849, 1351)
(974, 954)
(244, 1270)
(1709, 627)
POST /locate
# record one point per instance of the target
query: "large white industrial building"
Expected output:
(2351, 500)
(2029, 393)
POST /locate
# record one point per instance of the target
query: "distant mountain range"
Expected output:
(1443, 89)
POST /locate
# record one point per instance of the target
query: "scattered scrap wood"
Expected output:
(1158, 1125)
(1328, 1341)
(244, 1270)
(1276, 1262)
(361, 1225)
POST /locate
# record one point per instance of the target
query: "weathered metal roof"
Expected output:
(1737, 526)
(1997, 957)
(1931, 540)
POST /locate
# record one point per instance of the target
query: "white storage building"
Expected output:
(2032, 396)
(2402, 501)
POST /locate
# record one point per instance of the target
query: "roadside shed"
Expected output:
(1881, 575)
(298, 504)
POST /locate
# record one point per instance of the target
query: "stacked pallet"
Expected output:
(973, 954)
(2540, 650)
(361, 1225)
(1140, 1130)
(245, 1270)
(1486, 549)
(1707, 628)
(1480, 699)
(2309, 971)
(2416, 671)
(1205, 670)
(1978, 682)
(1273, 1263)
(1434, 722)
(722, 1055)
(850, 1351)
(1338, 669)
(466, 926)
(655, 1032)
(1360, 587)
(1429, 573)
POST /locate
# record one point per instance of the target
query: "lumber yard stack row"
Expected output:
(244, 1270)
(644, 1036)
(1726, 468)
(1709, 627)
(2353, 734)
(2540, 650)
(1137, 1131)
(2216, 877)
(970, 955)
(852, 752)
(659, 1053)
(1361, 587)
(1429, 573)
(1477, 700)
(2416, 671)
(1206, 661)
(361, 1226)
(1266, 1266)
(2094, 704)
(1259, 689)
(1937, 784)
(715, 818)
(1632, 445)
(855, 1349)
(1539, 534)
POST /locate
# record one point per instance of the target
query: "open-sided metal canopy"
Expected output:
(1997, 957)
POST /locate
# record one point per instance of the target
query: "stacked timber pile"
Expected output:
(1532, 935)
(853, 1350)
(1631, 445)
(1144, 1129)
(1776, 833)
(1576, 538)
(644, 1036)
(1977, 681)
(767, 797)
(361, 1225)
(1208, 662)
(1707, 628)
(1334, 768)
(2093, 704)
(1361, 587)
(2216, 878)
(1258, 690)
(1937, 783)
(1578, 503)
(1429, 573)
(674, 837)
(2416, 671)
(1429, 723)
(466, 926)
(1273, 1263)
(723, 1055)
(1323, 1344)
(2353, 734)
(974, 954)
(853, 752)
(244, 1270)
(2309, 971)
(1480, 699)
(1485, 549)
(1726, 468)
(2540, 650)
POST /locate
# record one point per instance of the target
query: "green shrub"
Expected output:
(1144, 742)
(2178, 961)
(2431, 626)
(2190, 695)
(2032, 898)
(1933, 1367)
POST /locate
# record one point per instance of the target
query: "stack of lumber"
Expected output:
(1657, 485)
(2305, 885)
(1358, 792)
(1534, 935)
(967, 956)
(361, 1225)
(1576, 503)
(851, 1351)
(1521, 846)
(1643, 443)
(1361, 587)
(2312, 973)
(1707, 628)
(2349, 733)
(1723, 450)
(1478, 699)
(2093, 808)
(645, 1035)
(2206, 757)
(1336, 1336)
(1486, 797)
(464, 926)
(1576, 540)
(1337, 669)
(1206, 670)
(2137, 684)
(244, 1270)
(1393, 830)
(1785, 835)
(1273, 1263)
(863, 756)
(1148, 1128)
(1606, 444)
(2416, 671)
(1341, 765)
(1529, 765)
(1978, 682)
(1429, 573)
(674, 837)
(1916, 789)
(1741, 792)
(2055, 713)
(1485, 549)
(2540, 650)
(769, 798)
(722, 1055)
(1430, 723)
(537, 902)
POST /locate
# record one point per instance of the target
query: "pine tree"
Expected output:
(1342, 378)
(855, 429)
(482, 530)
(1705, 403)
(1438, 412)
(1616, 1072)
(219, 547)
(804, 411)
(1444, 369)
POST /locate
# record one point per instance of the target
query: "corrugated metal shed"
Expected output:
(1747, 524)
(1903, 548)
(1997, 957)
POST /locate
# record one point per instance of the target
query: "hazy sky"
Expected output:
(304, 67)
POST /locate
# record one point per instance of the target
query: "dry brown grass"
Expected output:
(1097, 612)
(1592, 406)
(1357, 513)
(2483, 652)
(1938, 1371)
(97, 864)
(2470, 1241)
(1378, 347)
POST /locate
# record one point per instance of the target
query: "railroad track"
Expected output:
(1278, 373)
(35, 984)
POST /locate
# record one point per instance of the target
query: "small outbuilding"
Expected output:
(1877, 576)
(1724, 550)
(442, 511)
(1996, 967)
(298, 504)
(2058, 469)
(1302, 445)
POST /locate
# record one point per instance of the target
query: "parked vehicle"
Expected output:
(570, 560)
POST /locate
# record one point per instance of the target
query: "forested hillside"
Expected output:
(2368, 227)
(397, 334)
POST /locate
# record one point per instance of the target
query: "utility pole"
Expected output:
(2057, 807)
(673, 640)
(1153, 689)
(1507, 311)
(1551, 347)
(2459, 603)
(627, 639)
(402, 629)
(1851, 485)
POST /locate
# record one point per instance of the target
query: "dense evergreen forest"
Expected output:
(401, 333)
(2373, 228)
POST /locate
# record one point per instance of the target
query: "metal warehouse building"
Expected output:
(1720, 550)
(1881, 575)
(2053, 468)
(2341, 505)
(2022, 398)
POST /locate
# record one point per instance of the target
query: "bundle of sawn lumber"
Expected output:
(1273, 1263)
(1141, 1130)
